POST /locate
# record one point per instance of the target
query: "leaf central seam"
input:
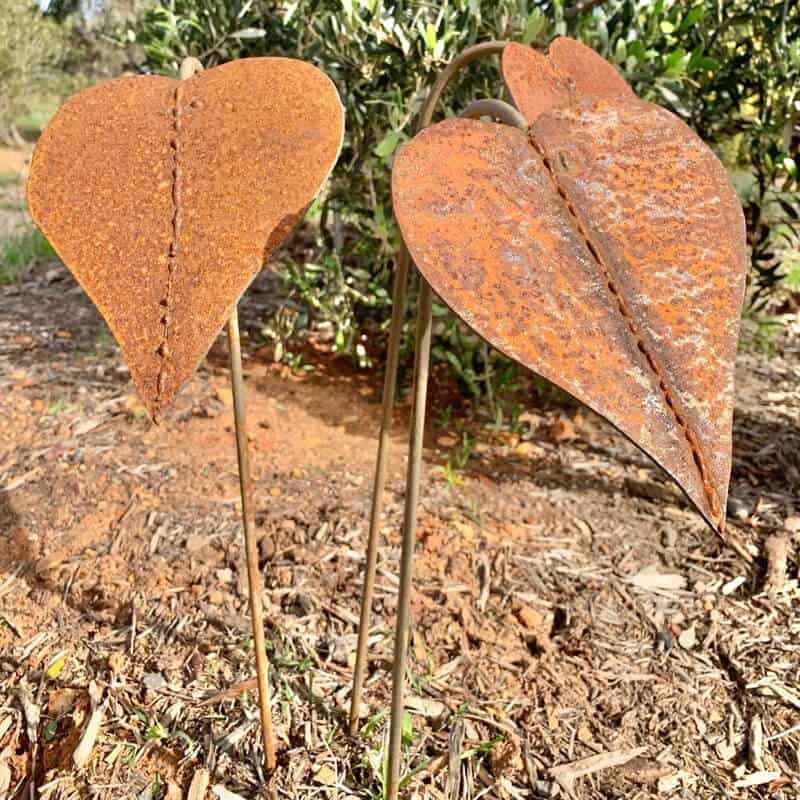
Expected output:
(647, 357)
(172, 253)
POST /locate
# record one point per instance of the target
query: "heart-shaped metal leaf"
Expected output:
(165, 198)
(570, 70)
(604, 249)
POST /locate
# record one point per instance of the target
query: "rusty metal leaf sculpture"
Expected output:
(166, 197)
(603, 248)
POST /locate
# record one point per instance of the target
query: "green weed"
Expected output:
(22, 250)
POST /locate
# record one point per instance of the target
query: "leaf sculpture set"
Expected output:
(599, 244)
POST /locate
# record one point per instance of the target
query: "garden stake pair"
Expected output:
(591, 237)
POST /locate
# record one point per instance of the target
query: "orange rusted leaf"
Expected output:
(165, 198)
(571, 70)
(604, 249)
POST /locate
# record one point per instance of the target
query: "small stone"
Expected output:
(725, 751)
(325, 775)
(530, 617)
(224, 575)
(116, 662)
(224, 395)
(215, 597)
(688, 638)
(266, 548)
(738, 508)
(154, 680)
(446, 441)
(133, 407)
(584, 734)
(275, 491)
(792, 524)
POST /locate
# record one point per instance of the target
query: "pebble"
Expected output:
(266, 548)
(688, 638)
(737, 508)
(153, 680)
(792, 524)
(669, 537)
(664, 641)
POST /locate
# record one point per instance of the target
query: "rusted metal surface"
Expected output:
(571, 70)
(603, 249)
(165, 198)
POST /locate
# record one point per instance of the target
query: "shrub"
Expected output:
(23, 248)
(31, 47)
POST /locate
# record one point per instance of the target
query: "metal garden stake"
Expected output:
(189, 67)
(390, 383)
(602, 246)
(163, 200)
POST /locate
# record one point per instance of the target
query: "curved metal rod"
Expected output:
(449, 72)
(498, 111)
(390, 385)
(189, 67)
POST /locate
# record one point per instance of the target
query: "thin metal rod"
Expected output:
(450, 71)
(254, 581)
(421, 363)
(389, 384)
(389, 388)
(191, 66)
(498, 110)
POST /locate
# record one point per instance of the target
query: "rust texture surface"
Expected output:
(571, 70)
(165, 198)
(604, 249)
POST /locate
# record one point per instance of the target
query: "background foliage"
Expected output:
(30, 46)
(730, 68)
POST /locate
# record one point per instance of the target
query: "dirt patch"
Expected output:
(13, 160)
(567, 604)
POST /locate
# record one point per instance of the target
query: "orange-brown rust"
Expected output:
(166, 198)
(649, 358)
(571, 70)
(577, 257)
